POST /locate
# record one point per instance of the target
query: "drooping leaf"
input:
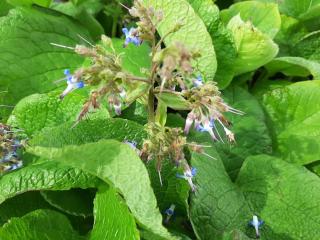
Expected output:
(222, 39)
(193, 34)
(115, 163)
(44, 176)
(294, 121)
(90, 131)
(28, 63)
(77, 202)
(217, 206)
(38, 225)
(264, 16)
(38, 111)
(283, 195)
(174, 100)
(113, 219)
(254, 49)
(294, 66)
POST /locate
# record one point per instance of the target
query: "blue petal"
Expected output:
(261, 222)
(125, 31)
(169, 212)
(180, 176)
(193, 171)
(251, 223)
(80, 84)
(66, 72)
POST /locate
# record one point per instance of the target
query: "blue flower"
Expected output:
(131, 37)
(188, 174)
(198, 81)
(169, 212)
(256, 223)
(207, 126)
(72, 82)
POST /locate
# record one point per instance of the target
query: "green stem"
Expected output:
(114, 26)
(151, 105)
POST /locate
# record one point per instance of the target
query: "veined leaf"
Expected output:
(295, 120)
(193, 34)
(264, 16)
(115, 163)
(28, 63)
(254, 48)
(283, 195)
(43, 3)
(308, 47)
(112, 218)
(38, 225)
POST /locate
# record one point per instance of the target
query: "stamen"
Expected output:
(62, 46)
(124, 6)
(160, 178)
(85, 40)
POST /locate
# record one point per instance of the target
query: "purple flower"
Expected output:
(131, 37)
(117, 108)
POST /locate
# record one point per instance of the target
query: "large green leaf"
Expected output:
(38, 111)
(308, 47)
(294, 66)
(221, 37)
(44, 3)
(4, 8)
(264, 16)
(217, 206)
(113, 219)
(77, 202)
(39, 225)
(28, 63)
(284, 195)
(118, 164)
(295, 120)
(44, 176)
(193, 34)
(254, 48)
(90, 131)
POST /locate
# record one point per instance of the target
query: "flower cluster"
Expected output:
(208, 108)
(9, 149)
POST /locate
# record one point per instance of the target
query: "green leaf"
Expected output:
(4, 8)
(90, 131)
(254, 48)
(222, 39)
(235, 235)
(308, 47)
(77, 202)
(28, 63)
(113, 219)
(21, 204)
(44, 176)
(174, 100)
(118, 164)
(285, 196)
(294, 8)
(217, 206)
(294, 66)
(193, 34)
(43, 3)
(38, 225)
(294, 121)
(38, 111)
(264, 16)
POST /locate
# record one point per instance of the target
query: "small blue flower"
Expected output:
(72, 82)
(256, 223)
(198, 81)
(188, 174)
(131, 37)
(169, 212)
(132, 144)
(208, 126)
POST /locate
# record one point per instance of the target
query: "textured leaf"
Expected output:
(174, 100)
(294, 121)
(118, 164)
(222, 39)
(308, 47)
(4, 8)
(218, 206)
(113, 219)
(75, 202)
(294, 66)
(38, 111)
(235, 235)
(264, 16)
(193, 33)
(253, 47)
(44, 176)
(28, 63)
(39, 225)
(90, 131)
(284, 195)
